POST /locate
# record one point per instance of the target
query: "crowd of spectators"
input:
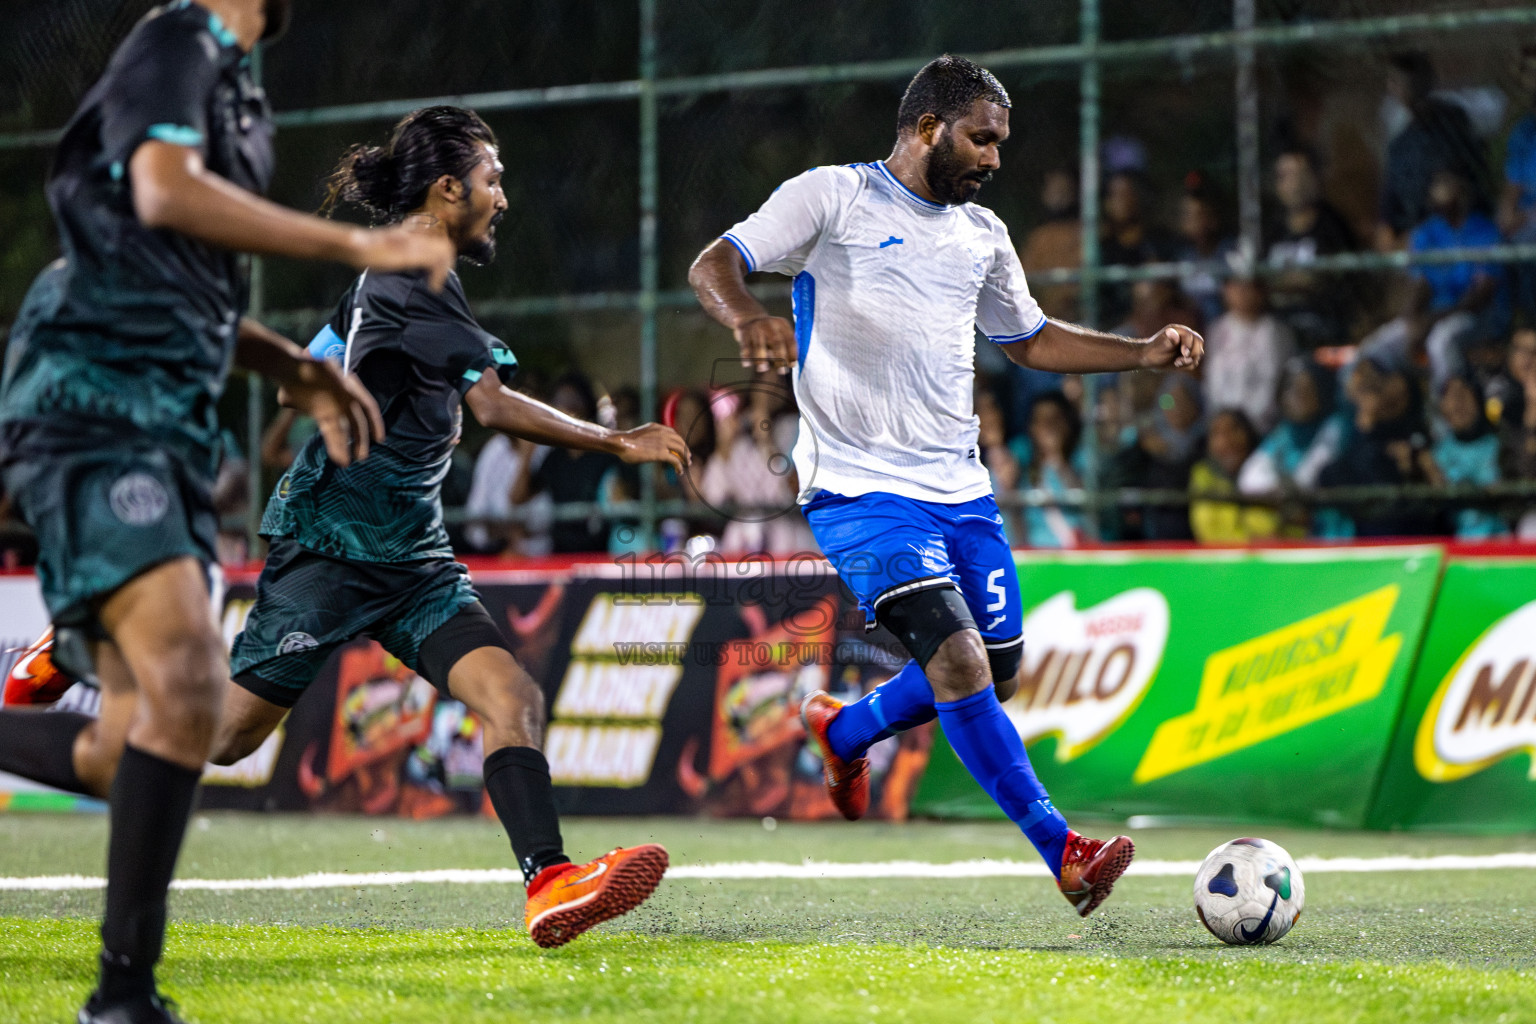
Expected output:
(1311, 380)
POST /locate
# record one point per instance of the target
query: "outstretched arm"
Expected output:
(719, 280)
(172, 189)
(1061, 347)
(343, 409)
(519, 416)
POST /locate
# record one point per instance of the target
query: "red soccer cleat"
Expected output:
(847, 781)
(35, 679)
(1089, 868)
(567, 899)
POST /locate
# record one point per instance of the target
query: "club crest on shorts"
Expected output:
(138, 499)
(293, 643)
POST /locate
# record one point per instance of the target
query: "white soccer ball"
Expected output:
(1248, 891)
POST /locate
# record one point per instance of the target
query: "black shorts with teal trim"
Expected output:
(108, 502)
(309, 604)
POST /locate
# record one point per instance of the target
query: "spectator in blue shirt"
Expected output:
(1452, 304)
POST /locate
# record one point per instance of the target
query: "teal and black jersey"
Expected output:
(132, 323)
(417, 352)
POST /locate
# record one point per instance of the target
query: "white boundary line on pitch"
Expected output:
(806, 871)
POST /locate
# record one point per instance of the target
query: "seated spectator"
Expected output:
(1383, 449)
(570, 475)
(1308, 437)
(1516, 411)
(1316, 307)
(1164, 449)
(1229, 443)
(1204, 241)
(1125, 238)
(1050, 462)
(1517, 201)
(1438, 137)
(1452, 304)
(748, 477)
(1245, 351)
(1467, 452)
(1056, 242)
(497, 468)
(689, 411)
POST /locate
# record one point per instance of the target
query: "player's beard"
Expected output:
(278, 12)
(482, 250)
(950, 178)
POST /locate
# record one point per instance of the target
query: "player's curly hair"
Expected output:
(391, 180)
(946, 87)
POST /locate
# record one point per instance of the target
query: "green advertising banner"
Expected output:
(1210, 684)
(1465, 752)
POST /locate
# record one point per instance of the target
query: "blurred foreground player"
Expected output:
(108, 432)
(362, 550)
(894, 270)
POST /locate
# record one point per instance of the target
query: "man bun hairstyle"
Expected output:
(947, 87)
(391, 180)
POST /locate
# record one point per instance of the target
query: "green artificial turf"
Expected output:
(1390, 947)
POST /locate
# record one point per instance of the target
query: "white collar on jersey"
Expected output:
(908, 194)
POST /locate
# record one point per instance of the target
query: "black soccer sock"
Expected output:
(40, 745)
(151, 802)
(517, 780)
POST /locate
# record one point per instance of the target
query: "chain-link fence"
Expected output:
(1160, 150)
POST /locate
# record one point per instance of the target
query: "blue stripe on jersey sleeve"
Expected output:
(328, 345)
(1009, 339)
(802, 297)
(742, 248)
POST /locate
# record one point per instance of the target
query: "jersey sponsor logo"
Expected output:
(1086, 670)
(1278, 682)
(296, 642)
(893, 240)
(138, 499)
(1485, 708)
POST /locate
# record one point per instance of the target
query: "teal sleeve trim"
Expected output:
(473, 375)
(220, 32)
(175, 134)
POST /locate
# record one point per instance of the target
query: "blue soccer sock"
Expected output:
(902, 702)
(989, 747)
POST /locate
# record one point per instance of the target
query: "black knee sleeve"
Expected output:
(469, 630)
(1004, 656)
(925, 619)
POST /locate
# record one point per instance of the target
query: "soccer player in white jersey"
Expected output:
(894, 271)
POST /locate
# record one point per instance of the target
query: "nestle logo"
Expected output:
(1113, 625)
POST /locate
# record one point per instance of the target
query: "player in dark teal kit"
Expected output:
(361, 549)
(108, 431)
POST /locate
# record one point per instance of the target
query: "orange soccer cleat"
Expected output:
(1089, 868)
(567, 899)
(847, 781)
(35, 679)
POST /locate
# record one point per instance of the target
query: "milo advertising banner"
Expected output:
(1210, 685)
(1465, 752)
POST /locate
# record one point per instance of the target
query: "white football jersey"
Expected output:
(889, 290)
